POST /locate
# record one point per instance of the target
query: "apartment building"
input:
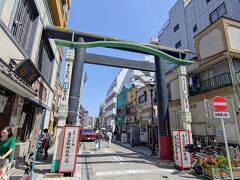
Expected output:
(189, 17)
(111, 100)
(214, 73)
(30, 66)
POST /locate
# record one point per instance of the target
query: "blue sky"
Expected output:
(135, 20)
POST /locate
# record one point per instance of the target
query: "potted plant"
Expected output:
(217, 167)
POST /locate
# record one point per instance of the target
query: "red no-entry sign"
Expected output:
(219, 103)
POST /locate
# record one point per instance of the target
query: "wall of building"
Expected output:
(194, 13)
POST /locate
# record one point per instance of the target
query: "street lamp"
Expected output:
(151, 88)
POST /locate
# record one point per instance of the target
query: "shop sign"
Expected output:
(3, 102)
(69, 149)
(27, 71)
(182, 159)
(16, 78)
(63, 111)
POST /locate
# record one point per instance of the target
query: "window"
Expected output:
(23, 21)
(178, 45)
(143, 97)
(194, 28)
(45, 59)
(217, 13)
(169, 92)
(176, 28)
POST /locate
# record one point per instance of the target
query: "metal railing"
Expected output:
(211, 83)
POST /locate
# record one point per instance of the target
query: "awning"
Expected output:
(39, 102)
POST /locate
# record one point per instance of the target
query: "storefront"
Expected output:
(20, 107)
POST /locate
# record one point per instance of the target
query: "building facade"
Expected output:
(110, 108)
(189, 17)
(30, 66)
(215, 73)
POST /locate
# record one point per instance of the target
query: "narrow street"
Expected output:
(118, 162)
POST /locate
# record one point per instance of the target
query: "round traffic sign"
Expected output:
(219, 103)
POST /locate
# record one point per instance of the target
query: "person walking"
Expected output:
(47, 142)
(98, 139)
(109, 134)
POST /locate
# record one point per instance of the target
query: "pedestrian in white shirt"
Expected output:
(109, 134)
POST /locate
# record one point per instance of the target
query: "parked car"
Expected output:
(88, 135)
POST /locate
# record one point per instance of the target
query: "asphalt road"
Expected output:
(119, 163)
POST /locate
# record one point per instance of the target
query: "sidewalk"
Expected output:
(41, 167)
(144, 150)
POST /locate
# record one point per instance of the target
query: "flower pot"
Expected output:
(217, 173)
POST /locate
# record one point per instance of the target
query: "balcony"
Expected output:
(219, 81)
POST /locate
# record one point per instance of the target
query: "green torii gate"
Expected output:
(81, 40)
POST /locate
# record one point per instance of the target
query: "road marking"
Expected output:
(121, 159)
(117, 160)
(112, 173)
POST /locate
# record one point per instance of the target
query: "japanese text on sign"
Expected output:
(221, 115)
(69, 152)
(182, 158)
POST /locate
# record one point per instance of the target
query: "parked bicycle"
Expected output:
(40, 150)
(196, 157)
(198, 153)
(6, 167)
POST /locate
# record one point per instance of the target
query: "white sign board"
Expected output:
(182, 159)
(69, 151)
(186, 158)
(176, 148)
(221, 114)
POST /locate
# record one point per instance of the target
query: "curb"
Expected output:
(144, 154)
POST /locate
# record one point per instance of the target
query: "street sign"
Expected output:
(221, 114)
(219, 103)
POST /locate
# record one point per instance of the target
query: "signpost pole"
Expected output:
(227, 150)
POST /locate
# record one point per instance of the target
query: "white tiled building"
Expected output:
(189, 17)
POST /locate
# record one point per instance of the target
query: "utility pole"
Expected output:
(151, 88)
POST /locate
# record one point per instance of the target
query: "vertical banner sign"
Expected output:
(186, 157)
(176, 147)
(182, 159)
(69, 149)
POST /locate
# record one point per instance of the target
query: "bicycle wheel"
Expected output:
(39, 153)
